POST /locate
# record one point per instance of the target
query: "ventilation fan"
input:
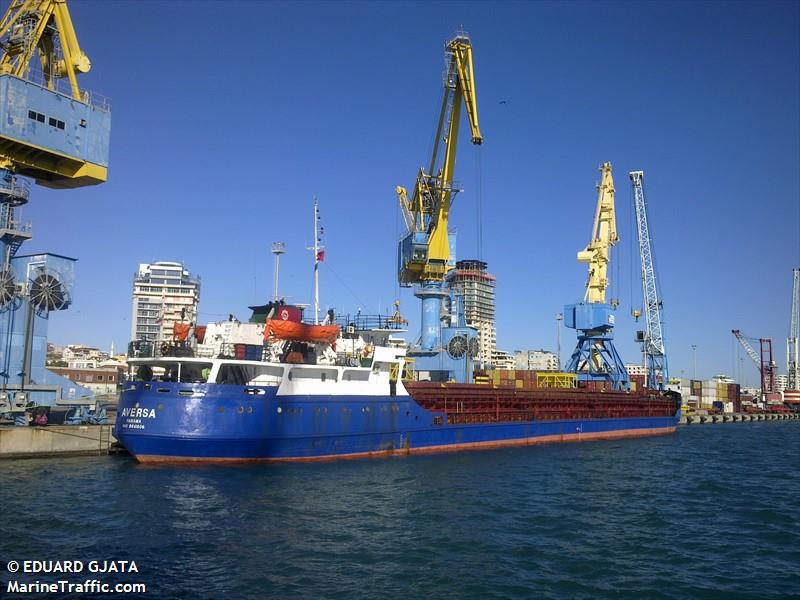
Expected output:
(457, 346)
(47, 293)
(8, 288)
(474, 347)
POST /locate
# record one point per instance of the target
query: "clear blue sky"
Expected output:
(228, 118)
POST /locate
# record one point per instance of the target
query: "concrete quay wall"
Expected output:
(55, 440)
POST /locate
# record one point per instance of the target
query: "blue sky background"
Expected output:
(228, 118)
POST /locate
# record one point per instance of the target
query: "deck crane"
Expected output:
(764, 363)
(792, 348)
(58, 134)
(424, 254)
(595, 358)
(652, 339)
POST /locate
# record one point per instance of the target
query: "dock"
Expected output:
(737, 418)
(56, 440)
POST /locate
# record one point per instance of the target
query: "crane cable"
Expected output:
(479, 203)
(394, 264)
(631, 210)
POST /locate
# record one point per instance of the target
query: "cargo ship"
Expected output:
(335, 391)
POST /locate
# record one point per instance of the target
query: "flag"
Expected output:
(320, 256)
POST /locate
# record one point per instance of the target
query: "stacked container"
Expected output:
(247, 351)
(523, 379)
(518, 378)
(709, 395)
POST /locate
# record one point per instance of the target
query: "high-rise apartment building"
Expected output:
(163, 293)
(471, 279)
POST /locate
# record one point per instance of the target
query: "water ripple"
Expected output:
(710, 512)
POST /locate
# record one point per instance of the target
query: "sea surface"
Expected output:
(712, 511)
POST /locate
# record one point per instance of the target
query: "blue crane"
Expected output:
(652, 339)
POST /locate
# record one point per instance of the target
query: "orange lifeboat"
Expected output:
(180, 331)
(300, 332)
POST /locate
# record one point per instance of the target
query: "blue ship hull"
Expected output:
(222, 422)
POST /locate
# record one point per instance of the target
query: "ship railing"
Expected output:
(64, 88)
(16, 190)
(152, 349)
(362, 322)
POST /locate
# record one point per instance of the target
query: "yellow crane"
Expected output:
(446, 348)
(595, 358)
(604, 236)
(58, 134)
(425, 248)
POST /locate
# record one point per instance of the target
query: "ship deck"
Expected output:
(477, 403)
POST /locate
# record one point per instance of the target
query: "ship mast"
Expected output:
(319, 256)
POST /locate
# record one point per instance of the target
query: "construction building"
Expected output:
(164, 293)
(471, 279)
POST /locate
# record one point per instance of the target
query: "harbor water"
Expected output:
(709, 512)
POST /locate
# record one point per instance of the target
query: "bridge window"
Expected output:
(36, 116)
(55, 123)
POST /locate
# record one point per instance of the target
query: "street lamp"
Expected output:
(694, 361)
(278, 248)
(559, 318)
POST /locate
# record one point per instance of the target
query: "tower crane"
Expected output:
(652, 339)
(424, 251)
(58, 134)
(792, 349)
(595, 358)
(764, 363)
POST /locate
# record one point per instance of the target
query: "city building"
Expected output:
(536, 360)
(471, 279)
(163, 293)
(502, 360)
(636, 369)
(101, 380)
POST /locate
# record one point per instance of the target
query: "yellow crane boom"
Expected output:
(32, 27)
(604, 235)
(425, 248)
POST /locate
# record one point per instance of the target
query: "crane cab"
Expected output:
(58, 140)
